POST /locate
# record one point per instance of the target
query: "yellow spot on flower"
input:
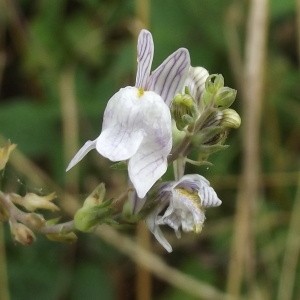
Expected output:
(140, 92)
(193, 196)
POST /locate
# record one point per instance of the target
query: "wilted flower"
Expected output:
(33, 201)
(137, 123)
(22, 234)
(184, 202)
(35, 221)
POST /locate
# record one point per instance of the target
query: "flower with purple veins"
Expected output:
(183, 204)
(137, 122)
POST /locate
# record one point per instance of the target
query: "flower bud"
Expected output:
(96, 197)
(4, 154)
(213, 83)
(225, 97)
(184, 110)
(231, 119)
(22, 234)
(88, 217)
(213, 118)
(94, 211)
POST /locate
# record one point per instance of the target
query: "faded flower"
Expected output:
(183, 204)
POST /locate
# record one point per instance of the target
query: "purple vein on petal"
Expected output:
(152, 162)
(145, 56)
(169, 77)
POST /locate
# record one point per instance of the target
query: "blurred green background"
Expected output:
(52, 51)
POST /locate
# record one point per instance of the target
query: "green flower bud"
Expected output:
(213, 118)
(96, 197)
(225, 97)
(184, 110)
(89, 216)
(231, 119)
(216, 94)
(213, 83)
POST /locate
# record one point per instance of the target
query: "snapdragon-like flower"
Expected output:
(137, 122)
(187, 200)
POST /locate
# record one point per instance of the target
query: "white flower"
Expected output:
(186, 200)
(137, 121)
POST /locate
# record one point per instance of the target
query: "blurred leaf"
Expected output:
(91, 282)
(32, 126)
(279, 8)
(192, 267)
(84, 39)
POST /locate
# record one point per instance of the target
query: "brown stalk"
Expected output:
(242, 257)
(291, 253)
(70, 123)
(292, 248)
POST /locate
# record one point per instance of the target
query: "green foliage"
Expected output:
(20, 120)
(91, 282)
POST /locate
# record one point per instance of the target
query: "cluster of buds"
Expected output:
(202, 114)
(24, 222)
